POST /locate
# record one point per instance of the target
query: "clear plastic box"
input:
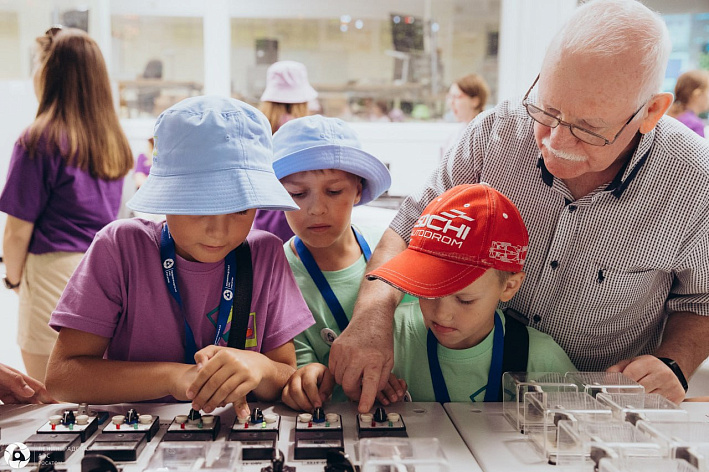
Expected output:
(543, 412)
(393, 454)
(200, 455)
(582, 442)
(686, 440)
(633, 407)
(604, 382)
(645, 465)
(516, 385)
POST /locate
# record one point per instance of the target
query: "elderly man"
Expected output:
(616, 199)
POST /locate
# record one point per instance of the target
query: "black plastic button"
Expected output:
(537, 318)
(554, 264)
(572, 208)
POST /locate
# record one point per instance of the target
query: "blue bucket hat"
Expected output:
(315, 142)
(212, 156)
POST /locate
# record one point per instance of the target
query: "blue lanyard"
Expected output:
(316, 274)
(168, 258)
(493, 378)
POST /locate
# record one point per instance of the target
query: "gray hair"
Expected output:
(607, 28)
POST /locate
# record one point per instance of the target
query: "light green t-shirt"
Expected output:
(310, 345)
(464, 370)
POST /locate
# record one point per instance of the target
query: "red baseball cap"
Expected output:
(461, 234)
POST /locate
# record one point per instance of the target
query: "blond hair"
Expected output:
(76, 116)
(275, 111)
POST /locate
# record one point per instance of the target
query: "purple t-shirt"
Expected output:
(118, 291)
(692, 121)
(274, 222)
(66, 204)
(142, 165)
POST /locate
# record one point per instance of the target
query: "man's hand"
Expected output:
(16, 387)
(308, 387)
(393, 392)
(361, 359)
(652, 374)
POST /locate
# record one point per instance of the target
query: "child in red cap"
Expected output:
(465, 255)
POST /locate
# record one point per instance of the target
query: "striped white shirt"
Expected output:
(603, 271)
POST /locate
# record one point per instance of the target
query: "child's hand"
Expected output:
(308, 387)
(225, 375)
(183, 377)
(393, 392)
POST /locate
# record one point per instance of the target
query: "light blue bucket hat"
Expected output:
(212, 156)
(315, 142)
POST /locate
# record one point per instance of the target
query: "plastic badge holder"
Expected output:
(516, 385)
(395, 454)
(543, 412)
(633, 407)
(650, 464)
(581, 442)
(604, 382)
(685, 440)
(196, 455)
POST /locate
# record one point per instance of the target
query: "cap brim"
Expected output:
(211, 193)
(425, 276)
(377, 178)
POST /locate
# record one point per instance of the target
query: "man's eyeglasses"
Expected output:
(588, 137)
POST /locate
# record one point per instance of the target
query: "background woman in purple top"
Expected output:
(691, 99)
(64, 182)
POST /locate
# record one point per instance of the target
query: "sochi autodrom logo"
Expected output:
(17, 455)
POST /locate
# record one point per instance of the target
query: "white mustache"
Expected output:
(567, 156)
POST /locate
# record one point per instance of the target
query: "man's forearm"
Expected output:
(684, 340)
(375, 294)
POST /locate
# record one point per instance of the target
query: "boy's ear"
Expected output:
(359, 191)
(511, 286)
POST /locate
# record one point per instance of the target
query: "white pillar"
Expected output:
(526, 29)
(100, 28)
(217, 48)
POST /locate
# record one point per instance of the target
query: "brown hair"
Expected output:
(685, 88)
(76, 114)
(474, 85)
(274, 111)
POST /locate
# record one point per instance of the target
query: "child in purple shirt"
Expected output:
(148, 312)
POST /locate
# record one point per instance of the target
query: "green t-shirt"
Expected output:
(464, 370)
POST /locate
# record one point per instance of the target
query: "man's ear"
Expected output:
(512, 285)
(656, 107)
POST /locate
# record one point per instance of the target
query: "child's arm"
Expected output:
(227, 375)
(78, 373)
(308, 387)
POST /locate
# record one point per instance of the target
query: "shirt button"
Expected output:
(572, 208)
(537, 318)
(554, 264)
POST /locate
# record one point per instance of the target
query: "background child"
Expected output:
(465, 256)
(321, 164)
(147, 314)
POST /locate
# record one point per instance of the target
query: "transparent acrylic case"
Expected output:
(645, 465)
(543, 412)
(393, 454)
(633, 407)
(604, 382)
(198, 455)
(583, 442)
(685, 440)
(516, 385)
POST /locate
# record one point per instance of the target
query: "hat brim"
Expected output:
(426, 276)
(278, 95)
(210, 193)
(375, 174)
